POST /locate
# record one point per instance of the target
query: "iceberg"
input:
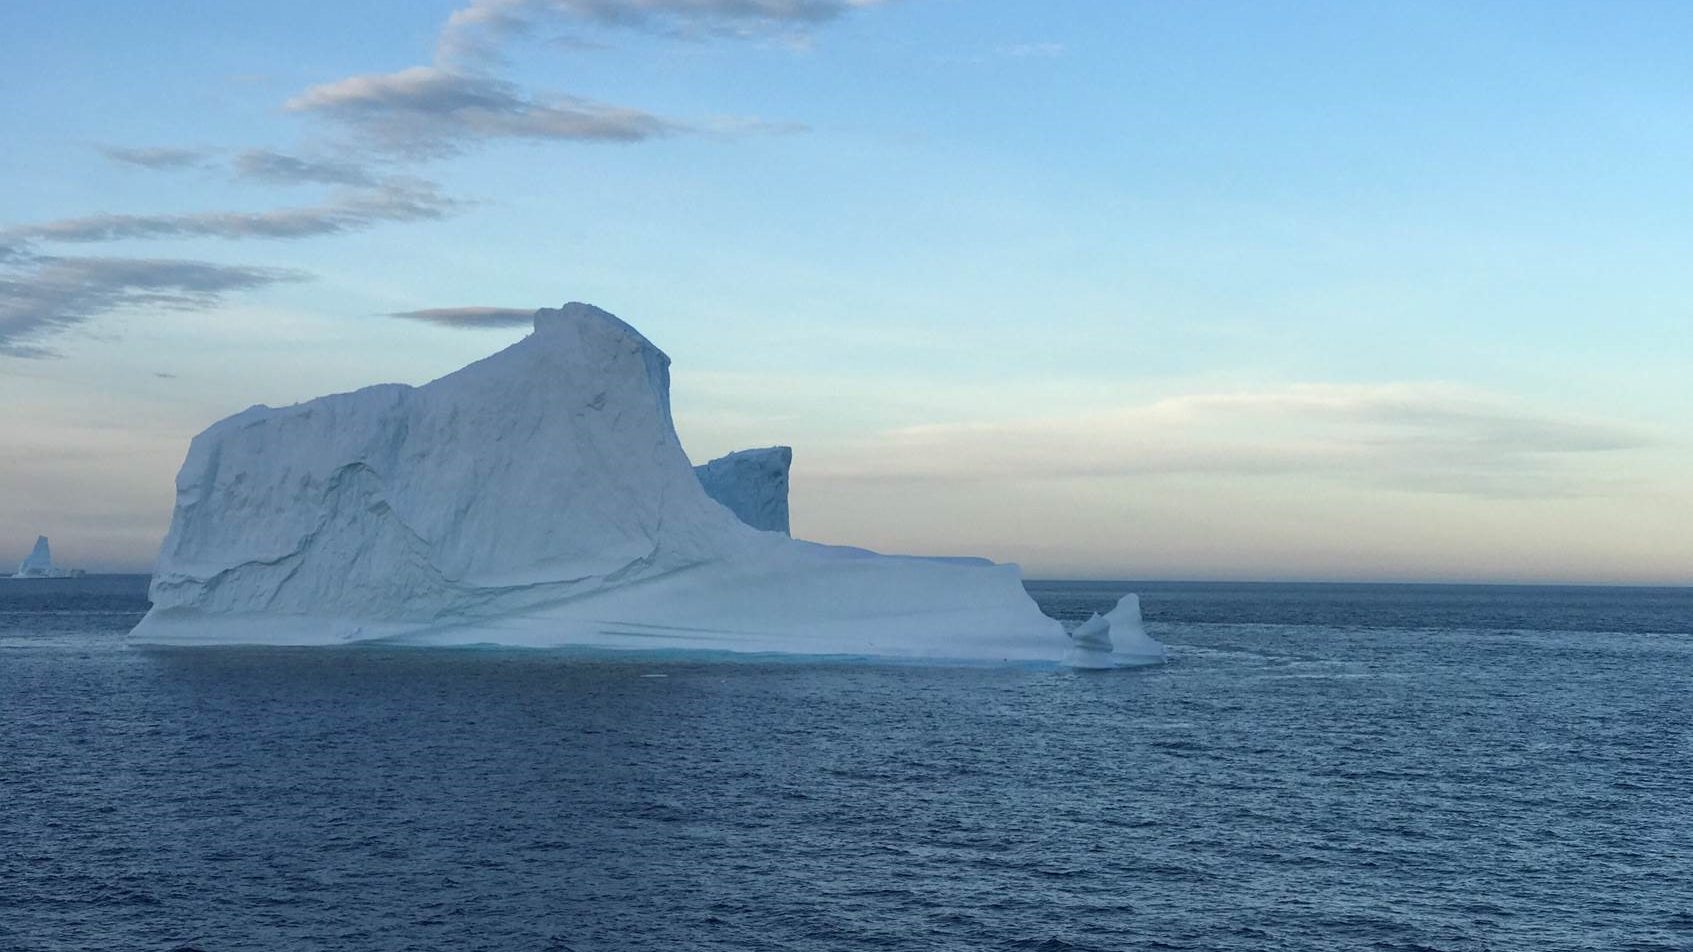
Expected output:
(540, 497)
(1116, 639)
(752, 484)
(39, 563)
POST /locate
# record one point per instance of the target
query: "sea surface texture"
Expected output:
(1319, 767)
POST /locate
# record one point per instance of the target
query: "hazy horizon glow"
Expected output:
(1148, 291)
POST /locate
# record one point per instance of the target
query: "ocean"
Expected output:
(1343, 767)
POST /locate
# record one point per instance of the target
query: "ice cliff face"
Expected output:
(551, 463)
(752, 484)
(537, 497)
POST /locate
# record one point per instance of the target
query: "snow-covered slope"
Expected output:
(537, 497)
(752, 484)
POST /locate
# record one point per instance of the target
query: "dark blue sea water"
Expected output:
(1320, 767)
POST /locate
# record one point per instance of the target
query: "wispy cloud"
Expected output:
(442, 109)
(256, 165)
(46, 294)
(476, 32)
(281, 168)
(158, 157)
(1039, 50)
(576, 44)
(1411, 437)
(731, 127)
(426, 110)
(391, 202)
(409, 115)
(40, 294)
(1044, 50)
(471, 316)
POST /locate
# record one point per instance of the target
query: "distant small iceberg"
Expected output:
(39, 563)
(1116, 639)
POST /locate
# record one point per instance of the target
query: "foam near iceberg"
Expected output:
(540, 497)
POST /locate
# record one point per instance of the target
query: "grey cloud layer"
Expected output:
(475, 32)
(45, 294)
(412, 114)
(280, 168)
(440, 109)
(426, 110)
(41, 294)
(156, 158)
(256, 165)
(417, 201)
(471, 316)
(1417, 438)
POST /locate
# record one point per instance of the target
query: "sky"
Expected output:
(1258, 290)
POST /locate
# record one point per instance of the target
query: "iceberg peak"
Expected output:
(584, 338)
(591, 328)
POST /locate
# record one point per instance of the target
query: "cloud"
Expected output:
(416, 113)
(426, 111)
(391, 202)
(472, 316)
(1424, 413)
(1045, 50)
(157, 158)
(577, 44)
(1041, 50)
(1410, 437)
(437, 110)
(475, 32)
(280, 168)
(730, 127)
(40, 294)
(46, 294)
(261, 165)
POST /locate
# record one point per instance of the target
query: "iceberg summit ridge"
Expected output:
(540, 497)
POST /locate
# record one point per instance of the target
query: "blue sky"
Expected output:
(1255, 290)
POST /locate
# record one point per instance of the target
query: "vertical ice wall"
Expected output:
(752, 484)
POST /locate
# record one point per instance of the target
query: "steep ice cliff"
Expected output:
(752, 484)
(536, 497)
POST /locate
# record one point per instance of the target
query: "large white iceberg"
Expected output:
(538, 497)
(752, 484)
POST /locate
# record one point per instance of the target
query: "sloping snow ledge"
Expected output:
(538, 497)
